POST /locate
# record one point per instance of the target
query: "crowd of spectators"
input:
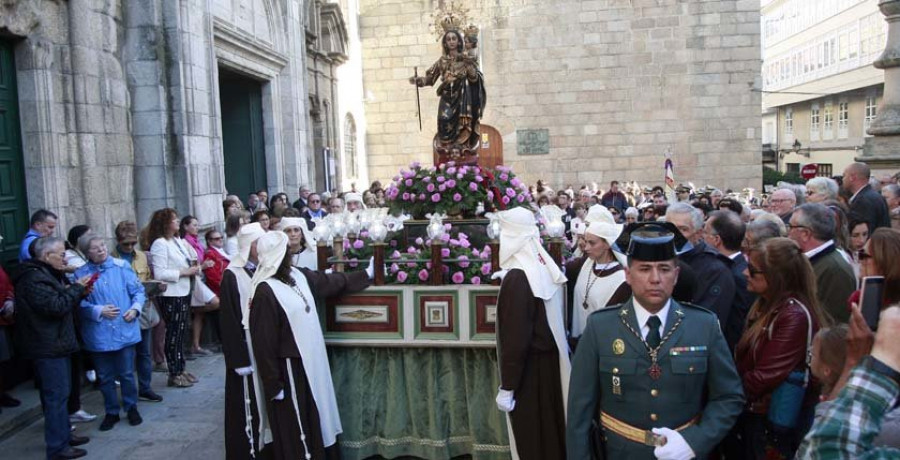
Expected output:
(781, 270)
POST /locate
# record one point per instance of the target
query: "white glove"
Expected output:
(676, 447)
(244, 371)
(498, 275)
(370, 270)
(9, 307)
(505, 401)
(279, 396)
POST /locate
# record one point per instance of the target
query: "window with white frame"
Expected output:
(789, 122)
(814, 119)
(843, 119)
(871, 113)
(828, 122)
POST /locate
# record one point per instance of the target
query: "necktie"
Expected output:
(653, 337)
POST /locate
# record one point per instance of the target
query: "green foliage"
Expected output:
(772, 177)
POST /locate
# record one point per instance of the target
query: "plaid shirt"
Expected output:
(849, 425)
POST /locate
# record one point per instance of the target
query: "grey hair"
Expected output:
(825, 186)
(763, 229)
(775, 220)
(84, 243)
(893, 189)
(631, 212)
(818, 218)
(685, 208)
(43, 245)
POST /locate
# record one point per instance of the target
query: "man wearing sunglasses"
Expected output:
(812, 228)
(313, 210)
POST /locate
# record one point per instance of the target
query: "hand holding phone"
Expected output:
(872, 294)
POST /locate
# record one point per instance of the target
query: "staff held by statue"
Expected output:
(418, 104)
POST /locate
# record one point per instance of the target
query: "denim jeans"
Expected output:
(112, 365)
(144, 362)
(54, 375)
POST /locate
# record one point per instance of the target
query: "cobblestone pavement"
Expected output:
(186, 425)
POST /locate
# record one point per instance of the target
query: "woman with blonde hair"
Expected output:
(771, 356)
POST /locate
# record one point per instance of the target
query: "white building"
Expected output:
(819, 85)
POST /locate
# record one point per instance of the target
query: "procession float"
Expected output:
(413, 357)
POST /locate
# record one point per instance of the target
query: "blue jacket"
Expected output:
(24, 254)
(117, 285)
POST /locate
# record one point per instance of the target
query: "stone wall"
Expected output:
(119, 102)
(615, 82)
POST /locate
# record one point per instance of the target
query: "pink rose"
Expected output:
(510, 192)
(442, 188)
(451, 183)
(476, 280)
(463, 261)
(436, 197)
(358, 244)
(354, 262)
(445, 252)
(401, 277)
(504, 176)
(476, 253)
(458, 278)
(430, 188)
(405, 196)
(423, 274)
(473, 186)
(411, 250)
(451, 170)
(520, 198)
(459, 176)
(421, 197)
(426, 179)
(441, 179)
(412, 198)
(486, 269)
(394, 268)
(505, 200)
(478, 178)
(464, 243)
(457, 197)
(515, 182)
(419, 241)
(408, 182)
(490, 195)
(447, 227)
(411, 264)
(415, 165)
(445, 237)
(454, 242)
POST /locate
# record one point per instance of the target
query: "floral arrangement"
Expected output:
(413, 265)
(455, 190)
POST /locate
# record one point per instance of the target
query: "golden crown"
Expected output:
(453, 16)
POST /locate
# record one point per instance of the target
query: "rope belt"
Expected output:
(638, 435)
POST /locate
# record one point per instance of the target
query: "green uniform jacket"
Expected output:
(698, 378)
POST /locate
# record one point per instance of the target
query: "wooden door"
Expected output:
(491, 151)
(243, 145)
(13, 201)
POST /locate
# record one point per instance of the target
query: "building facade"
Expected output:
(115, 108)
(581, 91)
(820, 88)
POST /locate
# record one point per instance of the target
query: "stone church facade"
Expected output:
(117, 109)
(582, 90)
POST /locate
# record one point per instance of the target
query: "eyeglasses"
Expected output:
(863, 255)
(315, 201)
(754, 271)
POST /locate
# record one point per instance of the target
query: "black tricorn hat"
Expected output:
(651, 241)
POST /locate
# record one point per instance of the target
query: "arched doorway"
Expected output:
(491, 151)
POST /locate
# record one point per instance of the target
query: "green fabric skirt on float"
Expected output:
(430, 403)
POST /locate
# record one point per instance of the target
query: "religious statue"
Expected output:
(461, 92)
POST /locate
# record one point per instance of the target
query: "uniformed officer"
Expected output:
(654, 374)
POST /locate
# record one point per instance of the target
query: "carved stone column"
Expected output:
(882, 151)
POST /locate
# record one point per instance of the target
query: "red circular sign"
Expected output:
(809, 171)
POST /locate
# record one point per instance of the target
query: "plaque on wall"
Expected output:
(533, 141)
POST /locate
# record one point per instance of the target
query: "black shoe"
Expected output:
(70, 452)
(109, 422)
(150, 396)
(134, 418)
(8, 401)
(75, 440)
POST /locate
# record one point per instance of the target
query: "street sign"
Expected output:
(809, 171)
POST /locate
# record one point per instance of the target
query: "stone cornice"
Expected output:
(230, 42)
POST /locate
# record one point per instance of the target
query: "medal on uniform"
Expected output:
(617, 385)
(618, 346)
(655, 371)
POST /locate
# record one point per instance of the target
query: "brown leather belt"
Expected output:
(631, 433)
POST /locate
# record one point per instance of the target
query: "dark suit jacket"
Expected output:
(870, 206)
(835, 282)
(743, 300)
(698, 378)
(715, 290)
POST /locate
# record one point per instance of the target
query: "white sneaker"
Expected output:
(81, 416)
(91, 376)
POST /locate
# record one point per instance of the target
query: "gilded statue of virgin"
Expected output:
(461, 92)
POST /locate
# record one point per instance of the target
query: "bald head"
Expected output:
(856, 176)
(782, 202)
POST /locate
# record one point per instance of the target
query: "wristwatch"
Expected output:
(875, 365)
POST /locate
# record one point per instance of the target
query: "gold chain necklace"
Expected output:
(655, 371)
(293, 286)
(590, 284)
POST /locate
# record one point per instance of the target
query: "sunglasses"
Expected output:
(754, 271)
(315, 201)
